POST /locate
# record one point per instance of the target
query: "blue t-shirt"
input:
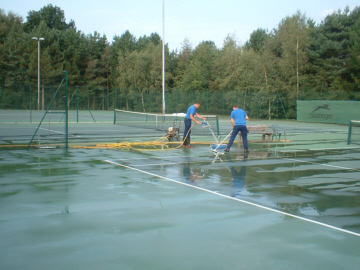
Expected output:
(191, 110)
(239, 116)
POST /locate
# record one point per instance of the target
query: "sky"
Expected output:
(194, 20)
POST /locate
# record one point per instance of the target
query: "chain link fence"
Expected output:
(258, 104)
(26, 105)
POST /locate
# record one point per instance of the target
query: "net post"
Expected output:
(349, 133)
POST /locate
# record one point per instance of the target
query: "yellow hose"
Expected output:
(162, 142)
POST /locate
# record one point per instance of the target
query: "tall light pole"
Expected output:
(163, 62)
(38, 41)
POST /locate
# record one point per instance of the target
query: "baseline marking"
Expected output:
(146, 158)
(236, 199)
(322, 164)
(50, 130)
(59, 132)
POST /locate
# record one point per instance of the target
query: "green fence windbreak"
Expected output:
(328, 111)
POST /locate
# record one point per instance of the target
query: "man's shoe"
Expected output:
(246, 150)
(189, 146)
(227, 150)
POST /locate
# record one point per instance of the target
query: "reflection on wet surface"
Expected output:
(323, 186)
(72, 210)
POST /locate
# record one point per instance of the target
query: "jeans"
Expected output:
(187, 123)
(235, 132)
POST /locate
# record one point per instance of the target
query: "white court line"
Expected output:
(170, 163)
(62, 133)
(159, 164)
(155, 158)
(341, 148)
(321, 164)
(236, 199)
(50, 130)
(319, 149)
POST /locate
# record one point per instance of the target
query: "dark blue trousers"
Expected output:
(236, 130)
(187, 123)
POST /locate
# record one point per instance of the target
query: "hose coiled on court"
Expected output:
(161, 144)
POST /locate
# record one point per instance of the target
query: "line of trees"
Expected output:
(295, 58)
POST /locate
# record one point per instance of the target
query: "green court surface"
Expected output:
(291, 204)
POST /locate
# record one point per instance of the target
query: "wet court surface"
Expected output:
(181, 209)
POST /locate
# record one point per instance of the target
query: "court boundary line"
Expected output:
(320, 149)
(322, 164)
(171, 157)
(236, 199)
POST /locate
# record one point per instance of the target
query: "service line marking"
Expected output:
(236, 199)
(322, 164)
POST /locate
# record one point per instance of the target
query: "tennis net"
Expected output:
(150, 124)
(354, 132)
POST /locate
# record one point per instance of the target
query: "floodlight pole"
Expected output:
(163, 62)
(38, 42)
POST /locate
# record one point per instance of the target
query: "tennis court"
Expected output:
(289, 204)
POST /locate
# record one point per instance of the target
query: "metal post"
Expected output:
(66, 109)
(163, 64)
(77, 104)
(38, 41)
(115, 105)
(349, 133)
(30, 104)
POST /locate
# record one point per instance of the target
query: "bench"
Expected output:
(264, 130)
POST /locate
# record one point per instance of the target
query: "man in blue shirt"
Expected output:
(238, 120)
(190, 115)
